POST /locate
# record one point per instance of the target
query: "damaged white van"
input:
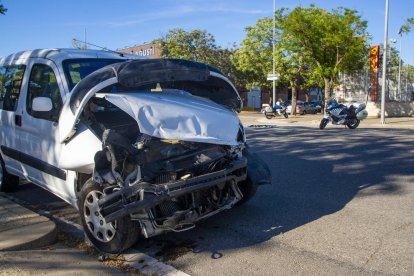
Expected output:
(137, 145)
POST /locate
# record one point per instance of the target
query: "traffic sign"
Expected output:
(272, 77)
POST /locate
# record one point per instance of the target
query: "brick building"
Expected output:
(152, 50)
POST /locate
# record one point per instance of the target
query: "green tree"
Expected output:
(196, 45)
(199, 45)
(333, 41)
(2, 9)
(406, 28)
(254, 57)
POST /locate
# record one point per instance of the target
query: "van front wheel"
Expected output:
(111, 237)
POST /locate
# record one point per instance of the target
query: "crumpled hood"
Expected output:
(144, 75)
(179, 117)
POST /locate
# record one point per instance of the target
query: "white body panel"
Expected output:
(78, 154)
(181, 117)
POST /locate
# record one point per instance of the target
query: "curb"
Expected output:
(144, 263)
(22, 229)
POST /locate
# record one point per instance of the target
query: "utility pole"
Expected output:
(273, 53)
(384, 64)
(399, 67)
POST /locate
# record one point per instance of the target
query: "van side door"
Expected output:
(12, 78)
(40, 129)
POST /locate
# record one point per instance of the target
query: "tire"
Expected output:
(323, 123)
(286, 116)
(8, 182)
(113, 237)
(353, 125)
(248, 189)
(268, 116)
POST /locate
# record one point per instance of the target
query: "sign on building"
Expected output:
(373, 73)
(147, 50)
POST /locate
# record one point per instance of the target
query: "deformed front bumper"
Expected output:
(132, 199)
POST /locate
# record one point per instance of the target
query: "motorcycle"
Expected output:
(277, 110)
(340, 114)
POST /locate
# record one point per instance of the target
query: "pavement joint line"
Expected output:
(133, 259)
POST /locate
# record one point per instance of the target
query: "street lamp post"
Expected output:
(273, 53)
(393, 41)
(399, 67)
(384, 64)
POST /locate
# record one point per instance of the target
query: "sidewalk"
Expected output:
(313, 120)
(22, 229)
(27, 246)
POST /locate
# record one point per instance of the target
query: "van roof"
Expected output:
(59, 55)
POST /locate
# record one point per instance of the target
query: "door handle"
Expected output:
(18, 120)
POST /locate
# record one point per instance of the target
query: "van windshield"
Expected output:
(75, 70)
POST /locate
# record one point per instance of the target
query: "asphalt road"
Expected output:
(341, 202)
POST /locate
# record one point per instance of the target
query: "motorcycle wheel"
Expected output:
(286, 116)
(323, 123)
(268, 116)
(354, 124)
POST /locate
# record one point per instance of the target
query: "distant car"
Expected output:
(299, 107)
(310, 108)
(317, 104)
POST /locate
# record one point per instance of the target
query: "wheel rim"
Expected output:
(97, 225)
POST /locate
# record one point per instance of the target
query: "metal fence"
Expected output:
(399, 87)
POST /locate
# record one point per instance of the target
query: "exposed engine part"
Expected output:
(156, 220)
(166, 185)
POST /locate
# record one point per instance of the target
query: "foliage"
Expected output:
(393, 59)
(406, 28)
(200, 46)
(254, 57)
(3, 10)
(196, 45)
(333, 41)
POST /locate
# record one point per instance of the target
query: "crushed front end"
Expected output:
(167, 185)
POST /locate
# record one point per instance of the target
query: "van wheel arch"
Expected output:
(8, 182)
(81, 179)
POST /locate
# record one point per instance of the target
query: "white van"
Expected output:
(137, 145)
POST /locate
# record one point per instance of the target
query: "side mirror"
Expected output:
(42, 108)
(42, 104)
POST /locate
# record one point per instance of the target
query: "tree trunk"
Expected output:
(294, 96)
(327, 92)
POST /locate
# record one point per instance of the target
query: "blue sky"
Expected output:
(113, 24)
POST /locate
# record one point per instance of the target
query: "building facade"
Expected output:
(152, 50)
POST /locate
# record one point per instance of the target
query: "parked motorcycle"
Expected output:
(277, 110)
(340, 114)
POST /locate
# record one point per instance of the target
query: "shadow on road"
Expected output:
(315, 173)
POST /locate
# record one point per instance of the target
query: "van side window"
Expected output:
(11, 81)
(43, 83)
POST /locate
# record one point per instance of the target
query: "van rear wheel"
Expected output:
(8, 182)
(111, 237)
